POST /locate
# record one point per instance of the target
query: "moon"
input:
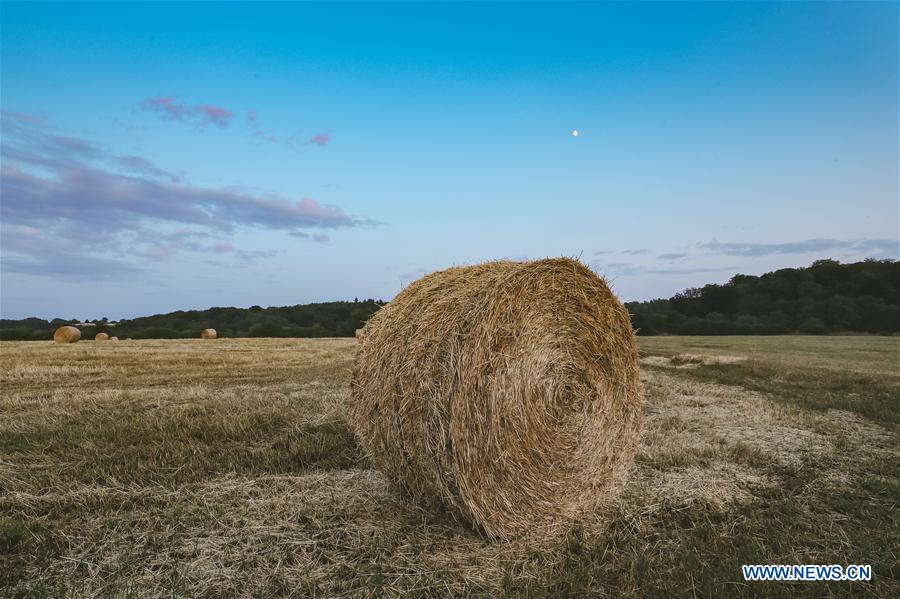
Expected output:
(574, 132)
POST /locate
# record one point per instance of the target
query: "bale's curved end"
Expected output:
(507, 391)
(208, 334)
(66, 334)
(101, 337)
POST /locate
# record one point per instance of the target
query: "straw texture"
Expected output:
(508, 392)
(66, 334)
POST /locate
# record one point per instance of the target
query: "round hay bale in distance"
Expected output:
(113, 338)
(508, 391)
(208, 334)
(66, 334)
(101, 337)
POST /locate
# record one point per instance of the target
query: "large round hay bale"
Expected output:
(66, 334)
(101, 337)
(508, 391)
(208, 334)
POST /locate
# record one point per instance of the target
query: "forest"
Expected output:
(329, 319)
(826, 297)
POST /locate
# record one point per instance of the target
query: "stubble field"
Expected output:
(226, 468)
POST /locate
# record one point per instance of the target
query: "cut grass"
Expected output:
(813, 388)
(198, 469)
(860, 375)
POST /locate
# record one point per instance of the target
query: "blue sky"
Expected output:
(175, 156)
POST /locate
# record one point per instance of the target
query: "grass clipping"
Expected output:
(507, 391)
(66, 334)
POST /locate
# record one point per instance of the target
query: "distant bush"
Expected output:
(159, 333)
(266, 329)
(813, 326)
(21, 334)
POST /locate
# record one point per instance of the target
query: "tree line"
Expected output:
(826, 297)
(328, 319)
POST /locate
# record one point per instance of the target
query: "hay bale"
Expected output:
(208, 334)
(113, 338)
(508, 391)
(101, 337)
(66, 334)
(359, 334)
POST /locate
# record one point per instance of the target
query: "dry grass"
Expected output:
(507, 391)
(179, 468)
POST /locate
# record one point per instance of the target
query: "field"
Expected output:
(225, 468)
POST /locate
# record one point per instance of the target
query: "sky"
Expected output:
(168, 156)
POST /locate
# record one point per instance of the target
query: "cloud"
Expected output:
(142, 166)
(155, 245)
(635, 252)
(203, 114)
(22, 117)
(166, 107)
(66, 265)
(671, 256)
(215, 114)
(248, 257)
(35, 143)
(689, 271)
(83, 202)
(223, 248)
(33, 251)
(624, 269)
(261, 133)
(809, 246)
(321, 237)
(244, 258)
(90, 195)
(321, 140)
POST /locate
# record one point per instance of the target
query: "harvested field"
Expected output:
(183, 468)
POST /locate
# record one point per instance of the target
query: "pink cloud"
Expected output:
(215, 114)
(59, 191)
(168, 107)
(172, 109)
(258, 131)
(265, 134)
(321, 140)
